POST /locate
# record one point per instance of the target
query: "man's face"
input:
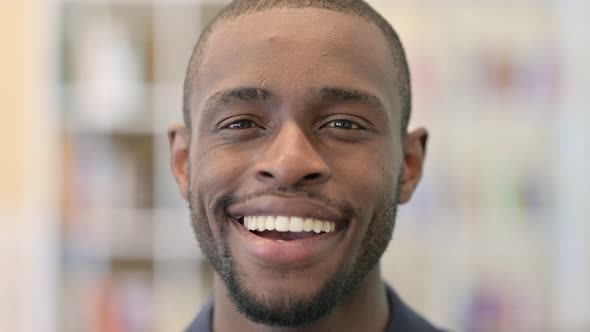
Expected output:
(295, 120)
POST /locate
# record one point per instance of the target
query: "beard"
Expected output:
(288, 310)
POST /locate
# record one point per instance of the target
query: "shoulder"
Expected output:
(405, 319)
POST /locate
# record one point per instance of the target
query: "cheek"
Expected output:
(214, 174)
(370, 175)
(211, 168)
(374, 191)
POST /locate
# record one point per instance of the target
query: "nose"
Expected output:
(291, 160)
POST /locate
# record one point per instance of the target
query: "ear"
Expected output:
(414, 146)
(179, 140)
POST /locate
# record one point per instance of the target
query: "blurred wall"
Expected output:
(28, 170)
(12, 103)
(11, 125)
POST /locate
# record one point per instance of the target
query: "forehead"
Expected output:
(291, 51)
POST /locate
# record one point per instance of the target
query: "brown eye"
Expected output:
(343, 124)
(241, 124)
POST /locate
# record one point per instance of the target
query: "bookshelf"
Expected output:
(129, 260)
(478, 232)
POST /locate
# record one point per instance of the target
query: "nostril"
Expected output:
(266, 174)
(312, 176)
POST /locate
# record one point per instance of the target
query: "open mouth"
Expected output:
(283, 228)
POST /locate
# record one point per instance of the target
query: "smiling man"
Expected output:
(293, 158)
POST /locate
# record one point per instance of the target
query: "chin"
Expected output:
(293, 300)
(284, 306)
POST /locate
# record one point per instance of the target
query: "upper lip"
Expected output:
(271, 205)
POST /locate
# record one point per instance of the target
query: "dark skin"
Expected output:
(303, 100)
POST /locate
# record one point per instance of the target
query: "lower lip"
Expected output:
(288, 253)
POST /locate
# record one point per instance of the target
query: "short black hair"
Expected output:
(358, 8)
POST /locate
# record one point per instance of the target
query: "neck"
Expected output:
(365, 309)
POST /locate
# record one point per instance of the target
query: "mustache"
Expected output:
(224, 202)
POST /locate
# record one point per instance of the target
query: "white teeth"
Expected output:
(308, 225)
(282, 224)
(251, 223)
(270, 222)
(317, 226)
(287, 224)
(296, 224)
(261, 224)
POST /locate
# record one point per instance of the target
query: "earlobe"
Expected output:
(414, 155)
(178, 138)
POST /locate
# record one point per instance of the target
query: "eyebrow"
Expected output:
(337, 95)
(236, 96)
(326, 95)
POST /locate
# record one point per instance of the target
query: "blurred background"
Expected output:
(94, 235)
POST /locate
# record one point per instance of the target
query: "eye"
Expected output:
(343, 124)
(241, 124)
